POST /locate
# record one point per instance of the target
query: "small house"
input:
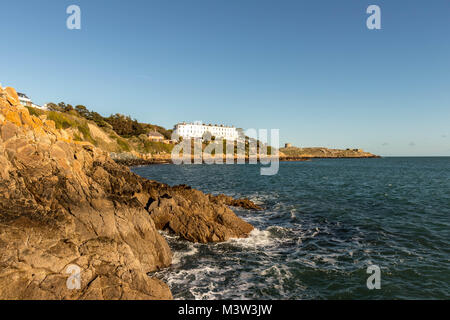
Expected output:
(155, 136)
(24, 100)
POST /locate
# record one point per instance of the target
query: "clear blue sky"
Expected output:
(310, 68)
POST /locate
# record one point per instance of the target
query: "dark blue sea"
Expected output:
(324, 223)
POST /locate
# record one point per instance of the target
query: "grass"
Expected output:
(65, 121)
(77, 137)
(86, 132)
(34, 111)
(154, 147)
(124, 146)
(61, 120)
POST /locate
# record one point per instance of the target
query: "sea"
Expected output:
(326, 223)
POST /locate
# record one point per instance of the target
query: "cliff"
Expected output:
(65, 202)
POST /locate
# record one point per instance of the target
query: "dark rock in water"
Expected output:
(229, 201)
(134, 162)
(192, 215)
(64, 203)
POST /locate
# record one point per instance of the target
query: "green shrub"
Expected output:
(35, 112)
(77, 137)
(123, 144)
(154, 147)
(61, 121)
(84, 129)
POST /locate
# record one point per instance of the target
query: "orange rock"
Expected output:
(25, 117)
(11, 96)
(13, 117)
(51, 124)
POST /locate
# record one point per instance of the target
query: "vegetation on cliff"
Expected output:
(123, 125)
(116, 133)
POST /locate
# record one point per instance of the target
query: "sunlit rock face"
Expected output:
(66, 203)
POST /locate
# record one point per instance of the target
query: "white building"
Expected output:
(198, 130)
(24, 100)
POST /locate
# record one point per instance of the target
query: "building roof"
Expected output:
(22, 95)
(203, 124)
(155, 134)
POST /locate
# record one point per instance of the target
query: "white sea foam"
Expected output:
(212, 287)
(195, 275)
(256, 239)
(293, 215)
(261, 199)
(307, 261)
(329, 260)
(204, 282)
(280, 271)
(179, 255)
(168, 235)
(277, 276)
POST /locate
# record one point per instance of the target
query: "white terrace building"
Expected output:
(197, 130)
(26, 101)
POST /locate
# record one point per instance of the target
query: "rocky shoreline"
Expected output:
(65, 203)
(136, 162)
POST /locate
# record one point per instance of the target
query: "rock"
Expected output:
(55, 211)
(191, 214)
(302, 154)
(229, 201)
(11, 96)
(64, 203)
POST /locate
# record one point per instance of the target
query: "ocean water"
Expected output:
(324, 222)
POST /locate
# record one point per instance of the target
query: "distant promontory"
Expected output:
(291, 153)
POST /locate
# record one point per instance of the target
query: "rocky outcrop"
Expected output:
(302, 154)
(229, 201)
(64, 204)
(131, 160)
(191, 214)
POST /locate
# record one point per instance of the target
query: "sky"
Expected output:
(311, 69)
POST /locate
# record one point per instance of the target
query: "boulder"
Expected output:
(229, 201)
(12, 96)
(191, 214)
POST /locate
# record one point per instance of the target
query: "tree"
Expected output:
(82, 111)
(125, 126)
